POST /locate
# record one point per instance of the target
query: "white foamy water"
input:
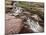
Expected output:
(16, 10)
(34, 25)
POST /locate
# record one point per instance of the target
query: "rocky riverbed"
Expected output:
(26, 18)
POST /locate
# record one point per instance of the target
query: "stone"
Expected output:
(12, 24)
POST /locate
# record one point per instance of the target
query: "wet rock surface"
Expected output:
(26, 18)
(22, 24)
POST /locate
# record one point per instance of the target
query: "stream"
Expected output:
(33, 25)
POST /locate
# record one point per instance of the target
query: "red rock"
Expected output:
(13, 25)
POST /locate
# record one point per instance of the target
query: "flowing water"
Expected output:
(34, 25)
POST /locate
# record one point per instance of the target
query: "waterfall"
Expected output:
(34, 25)
(16, 10)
